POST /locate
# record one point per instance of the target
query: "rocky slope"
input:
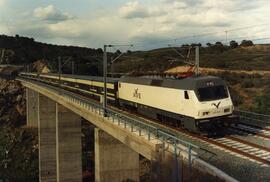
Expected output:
(18, 145)
(12, 102)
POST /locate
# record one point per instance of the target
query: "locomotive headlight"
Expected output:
(227, 110)
(205, 113)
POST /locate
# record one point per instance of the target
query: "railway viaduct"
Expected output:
(119, 140)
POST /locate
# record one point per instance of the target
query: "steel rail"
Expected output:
(252, 116)
(248, 143)
(251, 132)
(230, 148)
(258, 127)
(243, 153)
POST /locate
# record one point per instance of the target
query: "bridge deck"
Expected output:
(142, 138)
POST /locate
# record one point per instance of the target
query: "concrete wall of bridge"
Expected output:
(114, 161)
(132, 140)
(68, 145)
(59, 133)
(128, 144)
(31, 108)
(47, 139)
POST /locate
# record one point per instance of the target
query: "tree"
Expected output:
(233, 44)
(218, 47)
(246, 43)
(99, 50)
(129, 52)
(118, 52)
(219, 44)
(196, 44)
(185, 45)
(209, 44)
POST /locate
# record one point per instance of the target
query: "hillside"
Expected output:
(204, 70)
(23, 50)
(256, 57)
(19, 143)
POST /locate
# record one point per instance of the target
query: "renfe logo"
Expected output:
(217, 105)
(136, 94)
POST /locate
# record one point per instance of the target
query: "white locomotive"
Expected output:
(198, 104)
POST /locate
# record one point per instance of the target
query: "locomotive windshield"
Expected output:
(212, 93)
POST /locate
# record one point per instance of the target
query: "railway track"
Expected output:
(248, 150)
(261, 133)
(239, 147)
(256, 127)
(230, 144)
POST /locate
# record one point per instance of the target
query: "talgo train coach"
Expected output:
(199, 104)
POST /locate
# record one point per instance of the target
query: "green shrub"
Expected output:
(236, 98)
(263, 104)
(248, 84)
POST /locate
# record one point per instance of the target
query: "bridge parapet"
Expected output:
(137, 127)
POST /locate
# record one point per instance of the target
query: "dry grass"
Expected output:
(206, 71)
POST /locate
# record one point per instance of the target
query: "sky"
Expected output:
(144, 23)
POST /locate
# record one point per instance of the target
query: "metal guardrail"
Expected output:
(134, 124)
(152, 132)
(255, 118)
(127, 120)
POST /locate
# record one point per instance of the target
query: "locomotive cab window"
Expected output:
(186, 95)
(212, 93)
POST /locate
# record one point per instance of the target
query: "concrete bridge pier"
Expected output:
(165, 167)
(59, 142)
(31, 108)
(47, 139)
(114, 161)
(68, 145)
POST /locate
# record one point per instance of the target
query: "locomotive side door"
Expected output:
(187, 103)
(182, 103)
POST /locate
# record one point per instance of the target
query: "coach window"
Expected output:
(186, 95)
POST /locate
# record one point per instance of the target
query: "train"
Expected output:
(200, 104)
